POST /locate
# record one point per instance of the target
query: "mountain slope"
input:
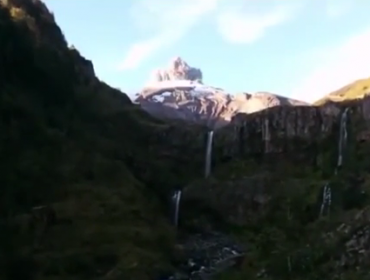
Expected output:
(178, 93)
(67, 142)
(355, 90)
(72, 145)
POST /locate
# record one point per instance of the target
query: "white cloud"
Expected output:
(167, 20)
(139, 52)
(344, 64)
(240, 27)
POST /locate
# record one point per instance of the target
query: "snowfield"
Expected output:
(194, 87)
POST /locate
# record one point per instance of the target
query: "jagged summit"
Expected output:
(178, 92)
(178, 69)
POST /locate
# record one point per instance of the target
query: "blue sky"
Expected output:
(302, 48)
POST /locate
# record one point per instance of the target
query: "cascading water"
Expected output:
(208, 158)
(342, 138)
(326, 199)
(266, 134)
(176, 198)
(343, 134)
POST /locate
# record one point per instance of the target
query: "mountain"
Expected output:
(355, 90)
(87, 176)
(177, 92)
(178, 70)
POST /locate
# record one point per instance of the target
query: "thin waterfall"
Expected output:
(326, 199)
(343, 135)
(208, 158)
(176, 198)
(266, 134)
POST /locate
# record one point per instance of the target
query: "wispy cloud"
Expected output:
(167, 20)
(238, 26)
(345, 63)
(139, 52)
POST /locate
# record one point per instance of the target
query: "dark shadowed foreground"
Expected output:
(86, 177)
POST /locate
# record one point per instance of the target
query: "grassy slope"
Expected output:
(354, 90)
(65, 140)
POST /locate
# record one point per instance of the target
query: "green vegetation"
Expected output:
(287, 238)
(72, 143)
(355, 90)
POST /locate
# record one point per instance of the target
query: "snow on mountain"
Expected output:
(178, 92)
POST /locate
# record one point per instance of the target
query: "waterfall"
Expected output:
(208, 158)
(176, 197)
(266, 134)
(342, 142)
(326, 199)
(342, 137)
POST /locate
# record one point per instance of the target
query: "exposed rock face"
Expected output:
(205, 105)
(178, 70)
(297, 134)
(297, 148)
(272, 130)
(178, 93)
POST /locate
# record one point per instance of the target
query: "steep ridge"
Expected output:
(83, 175)
(178, 92)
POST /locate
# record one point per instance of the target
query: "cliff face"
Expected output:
(278, 163)
(298, 134)
(275, 130)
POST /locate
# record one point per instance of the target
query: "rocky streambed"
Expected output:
(205, 255)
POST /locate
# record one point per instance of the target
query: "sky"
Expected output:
(302, 49)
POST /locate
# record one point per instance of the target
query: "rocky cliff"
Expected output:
(85, 175)
(176, 93)
(278, 164)
(178, 69)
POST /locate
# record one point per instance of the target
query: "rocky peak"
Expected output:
(178, 69)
